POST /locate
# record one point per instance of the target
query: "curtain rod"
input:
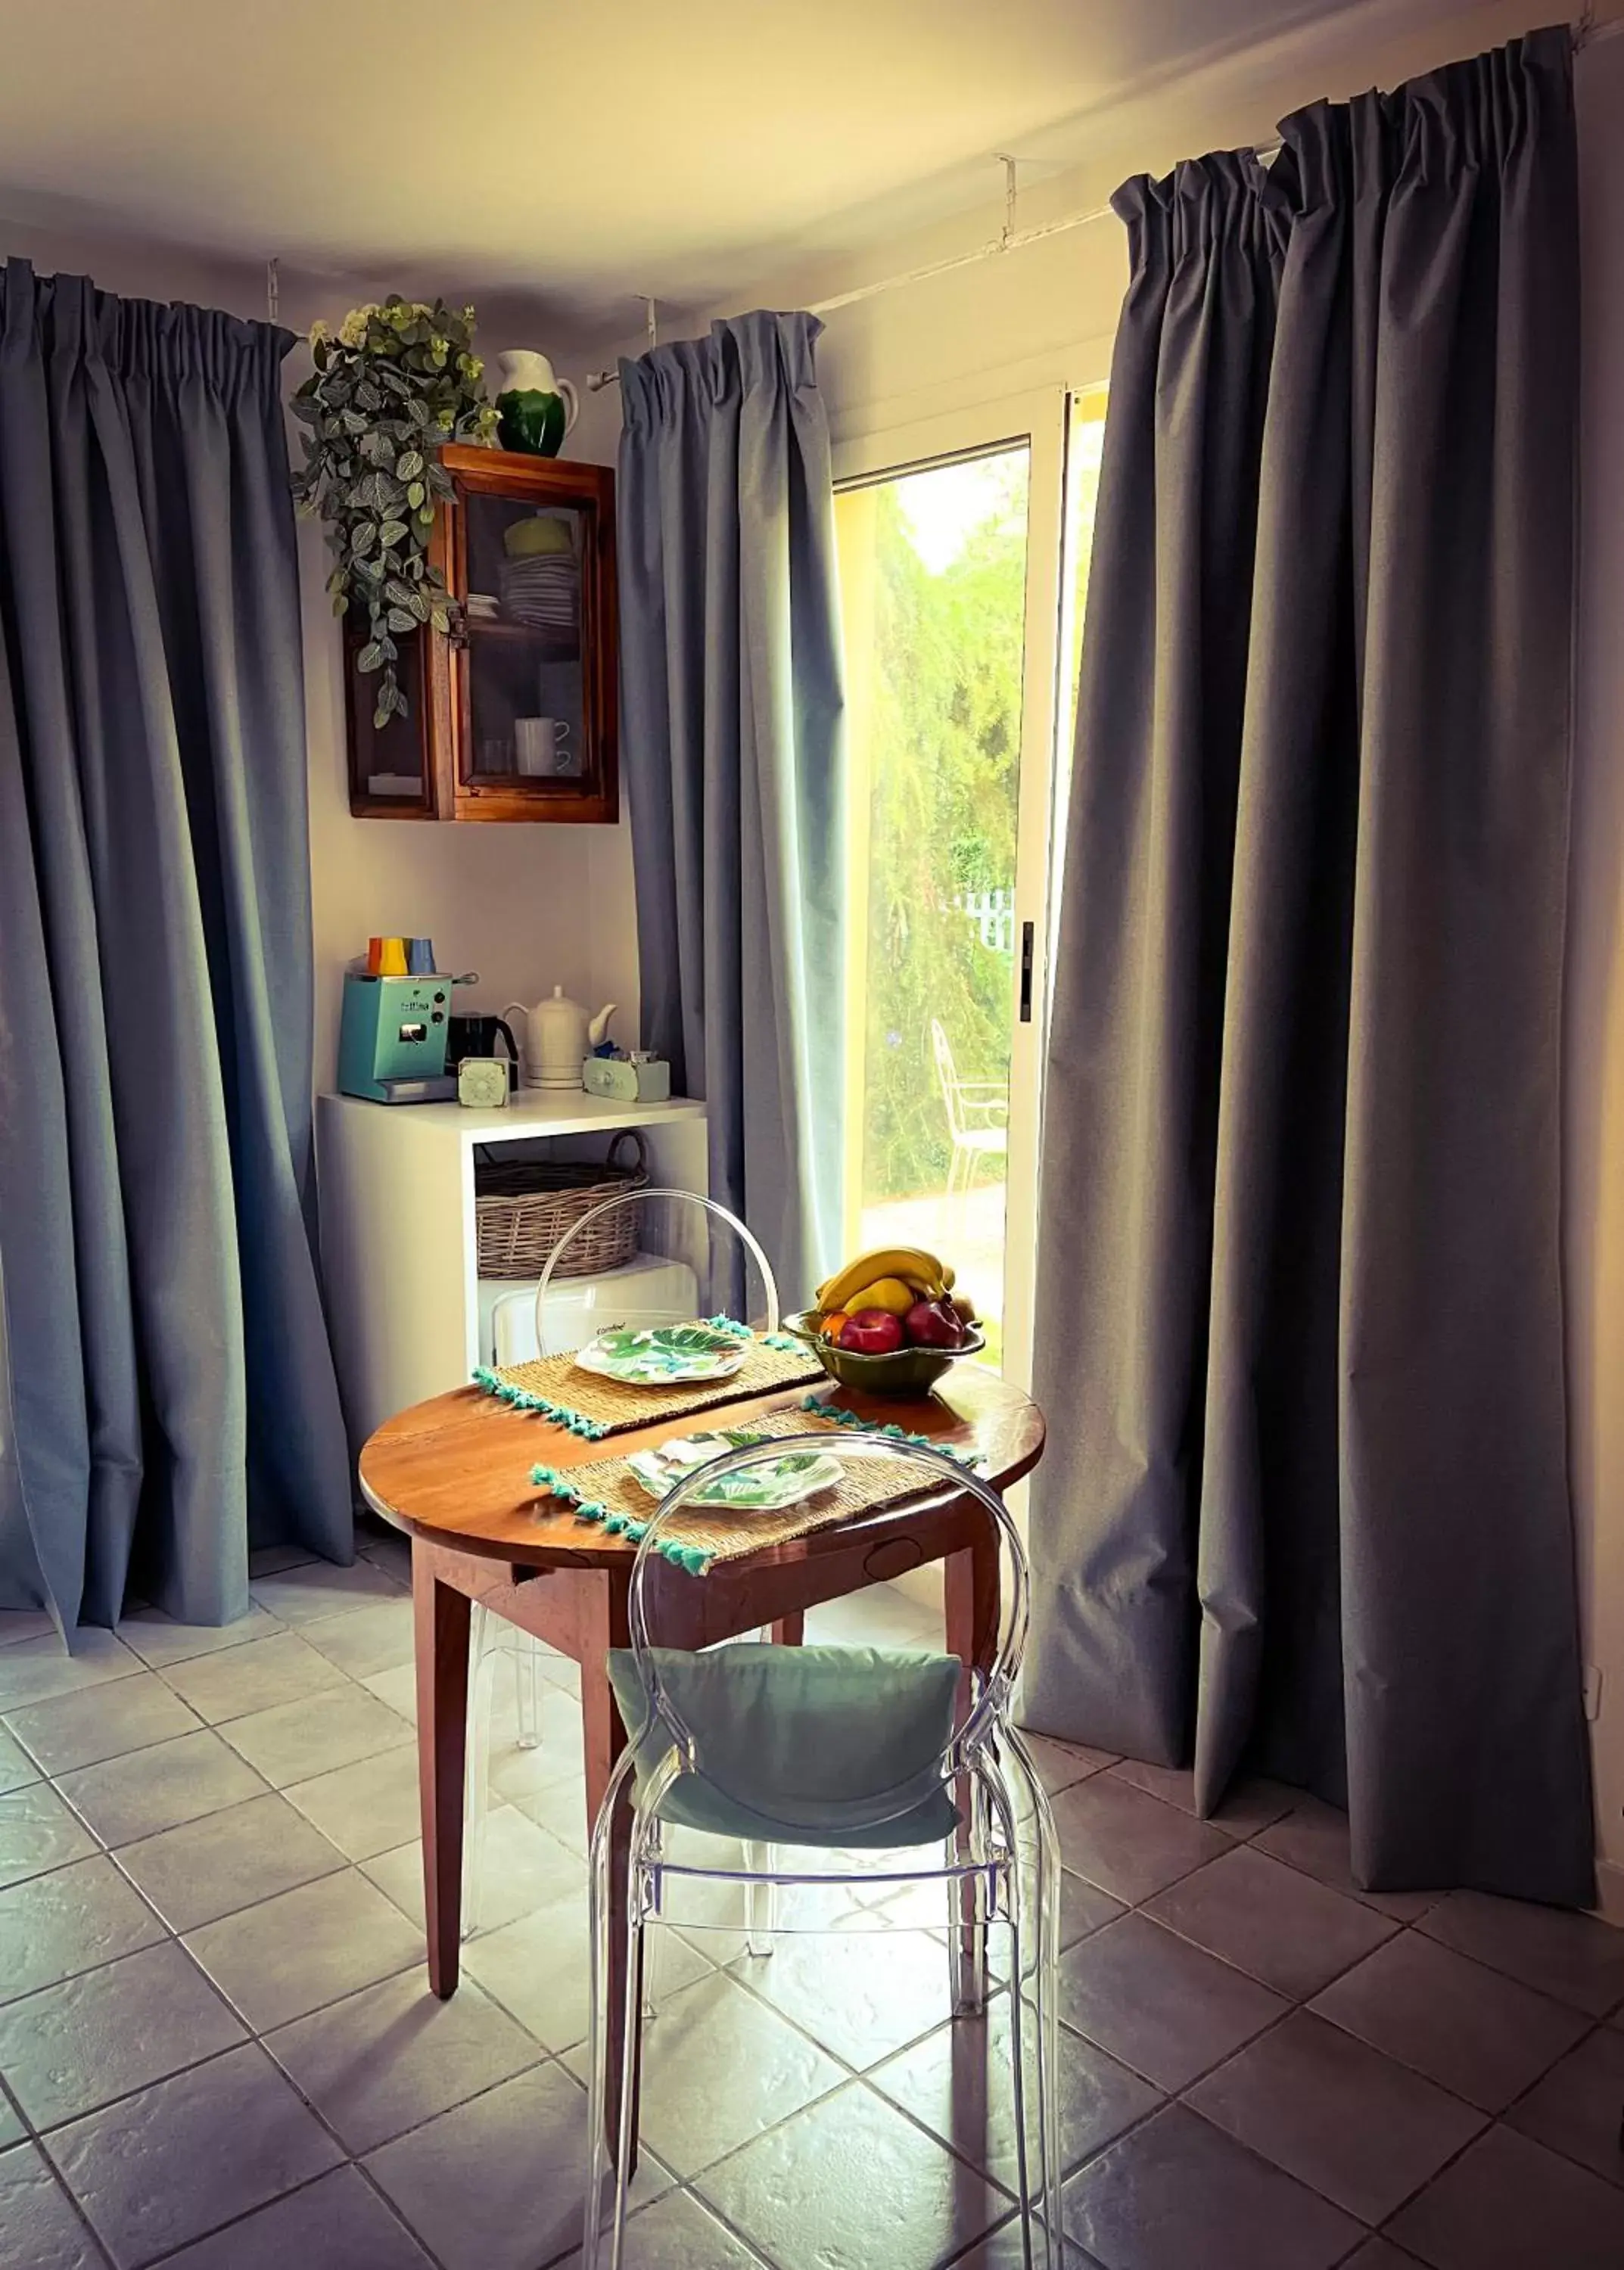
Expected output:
(1586, 33)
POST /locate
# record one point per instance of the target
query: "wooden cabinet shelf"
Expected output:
(513, 716)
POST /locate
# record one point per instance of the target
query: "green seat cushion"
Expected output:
(802, 1744)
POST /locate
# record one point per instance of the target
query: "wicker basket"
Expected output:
(521, 1210)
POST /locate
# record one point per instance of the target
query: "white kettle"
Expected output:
(557, 1033)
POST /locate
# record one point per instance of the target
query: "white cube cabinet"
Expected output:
(398, 1251)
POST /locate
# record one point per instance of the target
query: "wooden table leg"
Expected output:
(790, 1630)
(444, 1616)
(604, 1737)
(970, 1601)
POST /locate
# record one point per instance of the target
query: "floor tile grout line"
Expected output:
(848, 2077)
(254, 2038)
(49, 1773)
(44, 2136)
(260, 1900)
(689, 2187)
(1297, 2001)
(234, 2222)
(1250, 1838)
(1496, 1970)
(543, 2056)
(104, 2253)
(1491, 2121)
(1487, 2120)
(107, 1961)
(344, 1993)
(692, 2183)
(1401, 1923)
(1543, 2073)
(66, 1795)
(851, 2075)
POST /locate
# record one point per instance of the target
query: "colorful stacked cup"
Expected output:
(400, 957)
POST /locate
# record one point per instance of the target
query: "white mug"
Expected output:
(540, 744)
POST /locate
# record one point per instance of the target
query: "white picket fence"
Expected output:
(993, 914)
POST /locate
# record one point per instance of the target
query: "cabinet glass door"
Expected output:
(532, 693)
(525, 686)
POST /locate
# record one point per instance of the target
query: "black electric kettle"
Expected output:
(474, 1035)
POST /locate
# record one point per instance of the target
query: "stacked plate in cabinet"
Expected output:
(543, 593)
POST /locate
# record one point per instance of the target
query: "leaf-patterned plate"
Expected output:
(664, 1356)
(768, 1487)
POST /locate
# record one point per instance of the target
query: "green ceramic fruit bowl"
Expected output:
(905, 1371)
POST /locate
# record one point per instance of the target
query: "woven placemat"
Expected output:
(592, 1407)
(606, 1490)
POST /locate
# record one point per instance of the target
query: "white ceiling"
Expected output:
(584, 151)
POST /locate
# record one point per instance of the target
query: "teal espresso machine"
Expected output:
(392, 1039)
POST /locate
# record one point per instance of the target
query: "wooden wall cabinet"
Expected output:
(513, 716)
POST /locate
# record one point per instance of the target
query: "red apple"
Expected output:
(934, 1323)
(871, 1331)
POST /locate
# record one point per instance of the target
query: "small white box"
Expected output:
(648, 1290)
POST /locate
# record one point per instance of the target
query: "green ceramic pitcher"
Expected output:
(534, 410)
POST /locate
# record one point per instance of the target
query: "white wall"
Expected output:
(1045, 315)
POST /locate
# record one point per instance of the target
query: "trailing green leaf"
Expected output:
(399, 379)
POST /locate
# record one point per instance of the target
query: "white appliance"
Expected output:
(648, 1289)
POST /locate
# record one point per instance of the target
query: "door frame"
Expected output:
(1038, 418)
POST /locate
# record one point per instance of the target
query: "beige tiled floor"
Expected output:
(218, 2053)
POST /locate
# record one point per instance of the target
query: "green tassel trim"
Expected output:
(573, 1422)
(814, 1402)
(617, 1524)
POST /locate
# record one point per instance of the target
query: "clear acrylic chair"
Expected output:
(707, 1264)
(693, 1258)
(823, 1766)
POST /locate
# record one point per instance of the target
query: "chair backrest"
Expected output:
(710, 1252)
(947, 1077)
(895, 1769)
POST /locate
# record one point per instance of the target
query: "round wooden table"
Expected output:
(453, 1472)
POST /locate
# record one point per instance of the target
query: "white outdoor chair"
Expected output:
(977, 1118)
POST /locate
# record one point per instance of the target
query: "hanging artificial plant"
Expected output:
(397, 380)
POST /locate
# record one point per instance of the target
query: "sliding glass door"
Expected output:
(957, 589)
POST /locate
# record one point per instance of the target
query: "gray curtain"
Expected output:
(1305, 1506)
(169, 1391)
(732, 736)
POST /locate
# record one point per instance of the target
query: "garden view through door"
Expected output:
(963, 568)
(933, 567)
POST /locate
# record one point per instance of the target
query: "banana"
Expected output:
(895, 1294)
(909, 1262)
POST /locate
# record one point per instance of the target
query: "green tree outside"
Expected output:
(944, 758)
